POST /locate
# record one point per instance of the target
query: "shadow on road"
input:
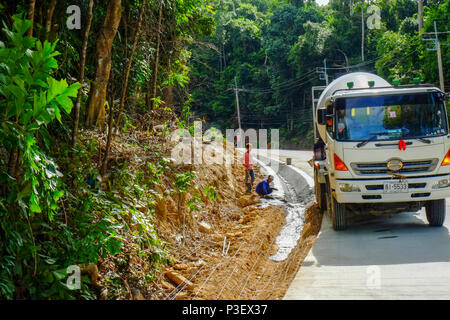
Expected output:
(402, 239)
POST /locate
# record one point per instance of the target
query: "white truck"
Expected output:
(381, 148)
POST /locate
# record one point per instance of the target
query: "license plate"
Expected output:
(395, 187)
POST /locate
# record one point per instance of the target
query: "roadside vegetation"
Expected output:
(73, 192)
(274, 47)
(86, 115)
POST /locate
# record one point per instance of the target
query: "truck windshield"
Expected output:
(390, 117)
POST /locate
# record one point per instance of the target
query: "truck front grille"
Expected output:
(409, 167)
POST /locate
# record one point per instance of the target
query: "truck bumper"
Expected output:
(420, 189)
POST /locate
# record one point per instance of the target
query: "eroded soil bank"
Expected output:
(224, 250)
(203, 271)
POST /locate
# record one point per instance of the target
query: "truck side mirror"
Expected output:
(322, 116)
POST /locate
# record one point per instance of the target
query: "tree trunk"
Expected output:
(420, 15)
(362, 33)
(168, 96)
(125, 27)
(13, 155)
(39, 16)
(224, 58)
(155, 71)
(130, 61)
(76, 119)
(48, 23)
(31, 16)
(103, 162)
(110, 130)
(220, 58)
(148, 98)
(97, 96)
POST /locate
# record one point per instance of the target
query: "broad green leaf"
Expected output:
(58, 115)
(55, 88)
(32, 127)
(16, 91)
(60, 274)
(44, 117)
(29, 141)
(46, 136)
(24, 192)
(34, 207)
(64, 100)
(20, 25)
(57, 195)
(65, 103)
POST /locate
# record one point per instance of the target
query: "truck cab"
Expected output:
(381, 149)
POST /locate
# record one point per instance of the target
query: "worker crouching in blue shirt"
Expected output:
(263, 188)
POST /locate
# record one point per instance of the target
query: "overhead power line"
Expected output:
(362, 64)
(287, 84)
(291, 86)
(440, 32)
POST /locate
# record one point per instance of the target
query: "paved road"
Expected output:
(299, 159)
(375, 258)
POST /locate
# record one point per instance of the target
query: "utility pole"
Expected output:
(323, 75)
(441, 69)
(362, 31)
(237, 108)
(437, 48)
(420, 15)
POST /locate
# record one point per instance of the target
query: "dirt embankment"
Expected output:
(223, 251)
(220, 252)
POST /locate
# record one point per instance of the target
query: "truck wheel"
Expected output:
(336, 211)
(320, 192)
(435, 210)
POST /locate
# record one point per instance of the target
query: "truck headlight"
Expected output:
(443, 183)
(347, 187)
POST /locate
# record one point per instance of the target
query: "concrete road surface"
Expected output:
(401, 257)
(299, 159)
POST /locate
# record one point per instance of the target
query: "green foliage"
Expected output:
(192, 203)
(133, 202)
(186, 115)
(49, 221)
(211, 192)
(400, 56)
(184, 181)
(273, 48)
(37, 244)
(127, 123)
(32, 100)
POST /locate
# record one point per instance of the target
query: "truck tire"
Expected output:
(435, 210)
(337, 212)
(320, 192)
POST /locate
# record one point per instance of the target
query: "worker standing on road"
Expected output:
(248, 164)
(263, 188)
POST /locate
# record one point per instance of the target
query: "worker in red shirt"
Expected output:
(248, 165)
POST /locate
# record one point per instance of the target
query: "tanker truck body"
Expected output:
(381, 149)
